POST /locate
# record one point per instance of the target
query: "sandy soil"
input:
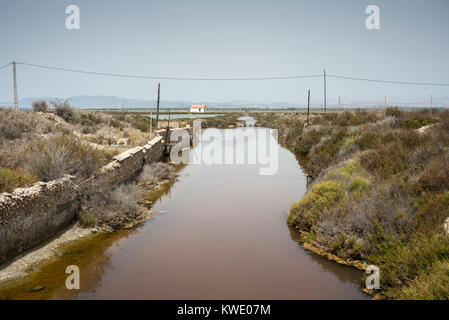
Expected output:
(30, 261)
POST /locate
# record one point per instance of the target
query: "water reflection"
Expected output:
(345, 274)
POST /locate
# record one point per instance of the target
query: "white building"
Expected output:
(198, 108)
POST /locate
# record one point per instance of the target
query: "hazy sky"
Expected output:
(226, 38)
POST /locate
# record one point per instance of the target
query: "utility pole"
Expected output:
(308, 107)
(325, 93)
(151, 124)
(431, 101)
(16, 99)
(158, 100)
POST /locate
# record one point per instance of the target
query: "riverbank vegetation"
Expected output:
(122, 206)
(380, 192)
(222, 121)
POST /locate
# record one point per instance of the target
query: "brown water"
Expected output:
(222, 235)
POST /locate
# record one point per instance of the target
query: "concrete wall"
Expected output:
(28, 216)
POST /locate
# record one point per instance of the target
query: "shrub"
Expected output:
(14, 124)
(88, 119)
(64, 110)
(112, 208)
(52, 158)
(142, 123)
(436, 175)
(359, 185)
(306, 141)
(156, 172)
(305, 213)
(431, 212)
(40, 106)
(417, 123)
(402, 261)
(324, 152)
(394, 112)
(432, 283)
(348, 147)
(367, 140)
(16, 178)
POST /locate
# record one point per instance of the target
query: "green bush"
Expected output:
(142, 123)
(367, 140)
(431, 283)
(359, 185)
(401, 261)
(320, 199)
(416, 123)
(348, 146)
(88, 119)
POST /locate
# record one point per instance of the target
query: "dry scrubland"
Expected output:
(380, 192)
(48, 142)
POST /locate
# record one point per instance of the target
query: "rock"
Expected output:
(36, 289)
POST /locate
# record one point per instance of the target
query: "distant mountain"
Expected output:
(118, 102)
(93, 102)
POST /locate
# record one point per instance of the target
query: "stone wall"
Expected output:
(29, 216)
(125, 166)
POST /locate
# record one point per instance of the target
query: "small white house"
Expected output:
(198, 108)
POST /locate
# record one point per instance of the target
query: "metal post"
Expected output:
(158, 100)
(151, 124)
(308, 107)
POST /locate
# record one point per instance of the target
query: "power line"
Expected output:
(5, 65)
(389, 81)
(167, 78)
(225, 79)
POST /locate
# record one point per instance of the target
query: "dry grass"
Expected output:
(156, 172)
(58, 155)
(15, 178)
(112, 209)
(15, 124)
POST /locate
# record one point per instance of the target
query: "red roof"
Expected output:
(198, 106)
